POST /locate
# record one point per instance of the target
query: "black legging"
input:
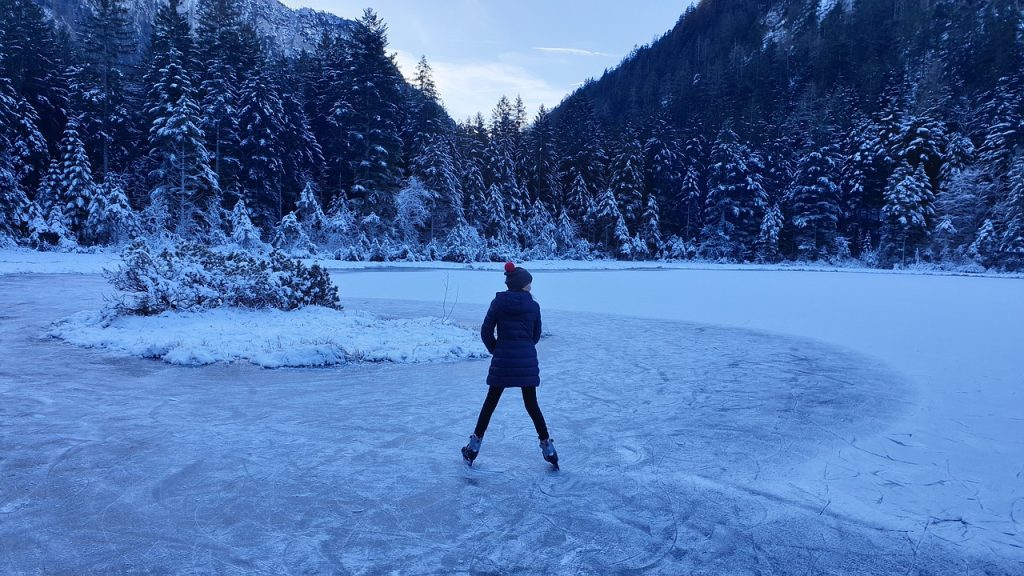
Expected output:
(529, 399)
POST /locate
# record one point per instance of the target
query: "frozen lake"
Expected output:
(708, 422)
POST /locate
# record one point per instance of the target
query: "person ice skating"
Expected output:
(516, 316)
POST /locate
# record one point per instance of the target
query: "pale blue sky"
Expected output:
(541, 50)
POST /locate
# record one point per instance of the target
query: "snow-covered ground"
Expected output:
(709, 421)
(25, 261)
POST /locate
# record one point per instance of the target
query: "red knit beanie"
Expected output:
(516, 278)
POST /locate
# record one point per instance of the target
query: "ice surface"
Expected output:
(708, 422)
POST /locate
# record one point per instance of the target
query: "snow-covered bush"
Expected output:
(413, 210)
(464, 244)
(677, 248)
(502, 250)
(193, 277)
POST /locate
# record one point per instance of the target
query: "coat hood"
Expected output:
(513, 301)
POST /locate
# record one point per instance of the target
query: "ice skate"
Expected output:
(547, 448)
(470, 451)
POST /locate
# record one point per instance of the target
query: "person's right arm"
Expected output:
(487, 329)
(536, 327)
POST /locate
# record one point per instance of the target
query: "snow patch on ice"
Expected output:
(25, 261)
(312, 336)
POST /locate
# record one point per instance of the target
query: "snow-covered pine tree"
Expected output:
(503, 178)
(958, 154)
(108, 45)
(493, 219)
(75, 188)
(625, 247)
(888, 127)
(170, 30)
(243, 232)
(1005, 132)
(580, 139)
(541, 234)
(542, 161)
(692, 188)
(229, 50)
(909, 208)
(610, 226)
(111, 218)
(662, 167)
(28, 147)
(502, 156)
(425, 117)
(259, 124)
(434, 166)
(12, 197)
(858, 218)
(374, 117)
(780, 169)
(219, 107)
(23, 149)
(310, 214)
(50, 230)
(923, 141)
(331, 113)
(302, 158)
(580, 205)
(34, 65)
(223, 35)
(813, 203)
(519, 149)
(290, 237)
(960, 211)
(424, 81)
(570, 245)
(1011, 241)
(471, 143)
(185, 190)
(986, 245)
(650, 226)
(627, 179)
(768, 235)
(474, 139)
(474, 192)
(13, 203)
(735, 199)
(424, 114)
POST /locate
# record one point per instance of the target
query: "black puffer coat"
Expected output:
(517, 317)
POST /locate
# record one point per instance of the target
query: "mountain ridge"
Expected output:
(291, 30)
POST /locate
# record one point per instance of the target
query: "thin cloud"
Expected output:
(470, 87)
(574, 52)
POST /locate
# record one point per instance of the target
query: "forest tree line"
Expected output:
(726, 139)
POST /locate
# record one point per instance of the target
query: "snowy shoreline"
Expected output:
(309, 337)
(25, 261)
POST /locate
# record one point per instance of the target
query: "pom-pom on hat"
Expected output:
(516, 278)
